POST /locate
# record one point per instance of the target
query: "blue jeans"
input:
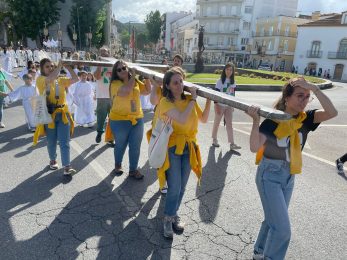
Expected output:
(176, 177)
(103, 107)
(127, 134)
(1, 107)
(60, 133)
(275, 186)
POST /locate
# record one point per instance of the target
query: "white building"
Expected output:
(322, 46)
(184, 36)
(229, 24)
(165, 38)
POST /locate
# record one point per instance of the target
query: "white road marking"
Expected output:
(304, 153)
(127, 201)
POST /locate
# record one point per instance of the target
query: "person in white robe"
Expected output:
(25, 93)
(84, 100)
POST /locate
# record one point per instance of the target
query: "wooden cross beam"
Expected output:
(147, 70)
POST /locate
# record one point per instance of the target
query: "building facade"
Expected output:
(274, 42)
(229, 24)
(166, 41)
(321, 47)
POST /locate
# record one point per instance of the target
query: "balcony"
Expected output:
(337, 55)
(279, 33)
(314, 54)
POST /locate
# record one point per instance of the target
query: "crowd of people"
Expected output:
(118, 91)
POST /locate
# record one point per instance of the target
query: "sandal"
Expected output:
(117, 170)
(136, 175)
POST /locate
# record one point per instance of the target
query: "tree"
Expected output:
(153, 24)
(91, 14)
(28, 16)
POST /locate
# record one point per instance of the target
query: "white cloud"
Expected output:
(325, 6)
(136, 10)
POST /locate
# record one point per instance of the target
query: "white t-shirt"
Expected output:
(103, 84)
(226, 88)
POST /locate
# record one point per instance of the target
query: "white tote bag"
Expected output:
(158, 143)
(41, 115)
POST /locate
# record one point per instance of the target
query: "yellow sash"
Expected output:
(289, 128)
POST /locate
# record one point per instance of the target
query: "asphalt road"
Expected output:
(97, 216)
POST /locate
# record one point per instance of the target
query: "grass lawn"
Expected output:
(290, 75)
(210, 78)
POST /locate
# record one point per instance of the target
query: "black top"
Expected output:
(279, 149)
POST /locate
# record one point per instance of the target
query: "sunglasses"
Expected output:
(123, 68)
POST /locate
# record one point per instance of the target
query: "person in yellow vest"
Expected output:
(126, 116)
(155, 97)
(278, 145)
(183, 154)
(62, 126)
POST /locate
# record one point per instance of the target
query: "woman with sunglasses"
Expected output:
(183, 153)
(62, 126)
(278, 145)
(126, 116)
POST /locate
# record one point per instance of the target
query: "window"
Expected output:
(271, 30)
(343, 46)
(344, 19)
(195, 41)
(270, 46)
(244, 41)
(230, 41)
(207, 27)
(287, 30)
(209, 10)
(246, 25)
(248, 9)
(223, 11)
(315, 48)
(262, 31)
(233, 10)
(220, 41)
(206, 41)
(221, 27)
(285, 45)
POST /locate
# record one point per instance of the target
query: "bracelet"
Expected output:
(193, 99)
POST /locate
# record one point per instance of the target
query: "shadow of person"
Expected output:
(212, 184)
(103, 222)
(15, 138)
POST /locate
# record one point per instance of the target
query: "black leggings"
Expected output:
(343, 159)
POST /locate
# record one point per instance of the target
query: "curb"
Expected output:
(256, 87)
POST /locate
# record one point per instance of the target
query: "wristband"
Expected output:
(193, 99)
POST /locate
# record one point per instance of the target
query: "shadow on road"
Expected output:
(212, 184)
(100, 222)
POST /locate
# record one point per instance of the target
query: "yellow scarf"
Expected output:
(66, 116)
(289, 128)
(194, 156)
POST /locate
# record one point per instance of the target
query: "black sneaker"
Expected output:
(98, 138)
(339, 167)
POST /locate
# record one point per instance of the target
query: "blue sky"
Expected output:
(136, 10)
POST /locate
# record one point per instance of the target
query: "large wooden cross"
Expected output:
(148, 70)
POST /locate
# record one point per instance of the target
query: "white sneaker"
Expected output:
(234, 147)
(2, 125)
(215, 143)
(163, 190)
(257, 256)
(339, 167)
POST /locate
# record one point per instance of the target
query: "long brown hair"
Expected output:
(42, 64)
(166, 82)
(224, 75)
(287, 91)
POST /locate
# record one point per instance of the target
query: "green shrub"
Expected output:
(218, 71)
(236, 73)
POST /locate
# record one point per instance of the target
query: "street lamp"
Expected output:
(45, 31)
(74, 36)
(60, 36)
(90, 36)
(78, 24)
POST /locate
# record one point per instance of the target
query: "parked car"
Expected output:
(264, 66)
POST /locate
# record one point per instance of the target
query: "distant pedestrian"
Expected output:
(177, 60)
(278, 145)
(226, 84)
